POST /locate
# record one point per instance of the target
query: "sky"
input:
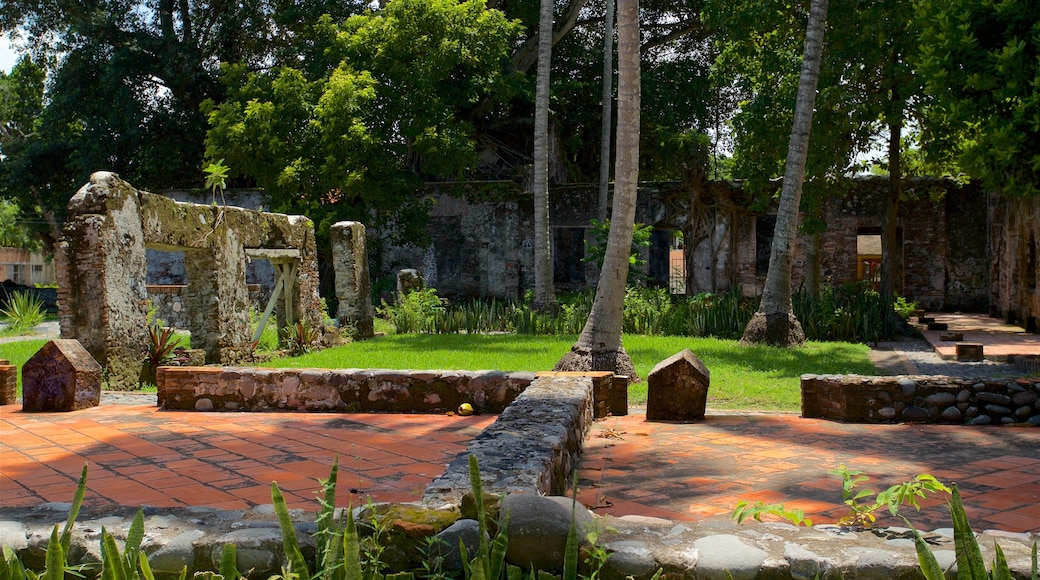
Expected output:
(7, 55)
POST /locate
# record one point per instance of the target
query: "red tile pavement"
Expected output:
(702, 469)
(998, 339)
(139, 455)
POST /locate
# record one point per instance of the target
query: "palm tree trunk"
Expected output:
(544, 292)
(608, 109)
(599, 346)
(775, 322)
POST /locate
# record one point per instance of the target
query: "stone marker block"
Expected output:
(925, 319)
(969, 351)
(61, 376)
(677, 389)
(952, 336)
(8, 383)
(938, 326)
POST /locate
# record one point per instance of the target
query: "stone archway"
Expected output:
(103, 302)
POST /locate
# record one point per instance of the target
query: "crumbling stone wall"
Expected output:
(1014, 239)
(920, 399)
(103, 300)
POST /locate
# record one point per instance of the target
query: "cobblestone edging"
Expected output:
(531, 448)
(921, 399)
(638, 546)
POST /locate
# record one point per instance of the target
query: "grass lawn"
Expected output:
(18, 352)
(748, 378)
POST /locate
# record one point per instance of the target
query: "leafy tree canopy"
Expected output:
(981, 62)
(385, 100)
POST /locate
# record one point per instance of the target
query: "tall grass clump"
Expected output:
(847, 313)
(23, 312)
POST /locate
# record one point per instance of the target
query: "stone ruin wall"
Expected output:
(104, 300)
(483, 246)
(1014, 234)
(920, 399)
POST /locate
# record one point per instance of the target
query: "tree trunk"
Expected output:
(608, 109)
(890, 214)
(544, 292)
(599, 346)
(775, 322)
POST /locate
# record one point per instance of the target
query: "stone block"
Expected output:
(61, 376)
(677, 389)
(925, 319)
(952, 336)
(969, 351)
(938, 326)
(8, 383)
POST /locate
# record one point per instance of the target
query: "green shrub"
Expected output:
(24, 311)
(415, 312)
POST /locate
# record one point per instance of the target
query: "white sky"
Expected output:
(7, 55)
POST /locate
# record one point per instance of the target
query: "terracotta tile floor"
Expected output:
(998, 339)
(702, 469)
(139, 455)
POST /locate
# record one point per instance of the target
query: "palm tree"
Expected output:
(608, 108)
(599, 346)
(544, 292)
(775, 322)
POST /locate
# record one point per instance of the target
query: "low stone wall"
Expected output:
(8, 383)
(533, 446)
(336, 390)
(920, 399)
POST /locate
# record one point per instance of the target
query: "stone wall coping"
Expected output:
(921, 399)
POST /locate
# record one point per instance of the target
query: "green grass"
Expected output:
(20, 351)
(759, 378)
(745, 378)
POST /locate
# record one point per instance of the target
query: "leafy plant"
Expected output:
(24, 311)
(640, 239)
(415, 311)
(970, 563)
(300, 337)
(904, 308)
(907, 493)
(489, 562)
(746, 509)
(860, 514)
(161, 342)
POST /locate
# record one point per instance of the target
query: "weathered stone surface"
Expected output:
(102, 271)
(61, 376)
(531, 448)
(8, 383)
(409, 280)
(677, 389)
(353, 285)
(916, 398)
(465, 531)
(969, 351)
(538, 528)
(725, 555)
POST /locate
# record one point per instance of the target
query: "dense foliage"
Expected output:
(981, 61)
(849, 313)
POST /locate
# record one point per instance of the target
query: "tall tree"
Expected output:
(544, 291)
(606, 127)
(383, 102)
(981, 63)
(599, 345)
(775, 323)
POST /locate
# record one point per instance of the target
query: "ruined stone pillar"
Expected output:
(353, 286)
(102, 299)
